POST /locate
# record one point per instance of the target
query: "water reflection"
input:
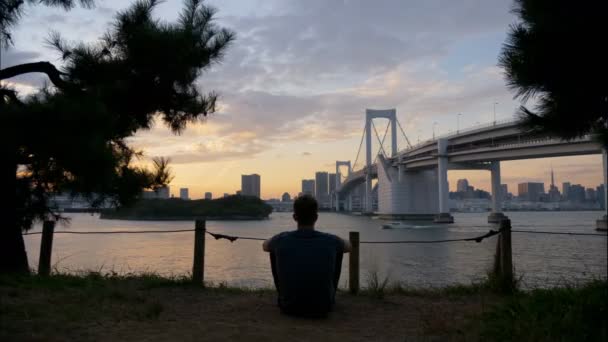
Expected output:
(540, 259)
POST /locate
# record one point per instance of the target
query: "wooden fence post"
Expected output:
(198, 264)
(46, 248)
(497, 267)
(506, 256)
(353, 265)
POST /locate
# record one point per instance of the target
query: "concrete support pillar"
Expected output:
(367, 202)
(339, 182)
(496, 215)
(399, 172)
(602, 223)
(442, 177)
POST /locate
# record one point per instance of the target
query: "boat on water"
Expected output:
(393, 225)
(406, 225)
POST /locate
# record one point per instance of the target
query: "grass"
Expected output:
(69, 305)
(379, 287)
(559, 314)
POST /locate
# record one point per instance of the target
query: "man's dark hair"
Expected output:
(305, 209)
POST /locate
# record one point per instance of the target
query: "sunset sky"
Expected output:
(295, 85)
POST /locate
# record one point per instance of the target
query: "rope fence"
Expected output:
(233, 238)
(503, 264)
(115, 232)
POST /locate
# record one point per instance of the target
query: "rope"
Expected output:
(231, 238)
(476, 239)
(555, 233)
(116, 232)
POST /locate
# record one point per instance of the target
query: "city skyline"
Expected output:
(287, 117)
(478, 179)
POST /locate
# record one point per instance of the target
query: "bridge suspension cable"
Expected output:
(378, 137)
(385, 133)
(403, 132)
(359, 150)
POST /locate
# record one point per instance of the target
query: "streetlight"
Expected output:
(458, 123)
(495, 103)
(434, 123)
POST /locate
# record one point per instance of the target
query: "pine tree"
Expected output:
(71, 136)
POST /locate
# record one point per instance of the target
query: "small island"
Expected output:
(235, 207)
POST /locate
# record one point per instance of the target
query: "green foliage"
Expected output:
(72, 137)
(234, 207)
(376, 287)
(491, 285)
(560, 314)
(556, 56)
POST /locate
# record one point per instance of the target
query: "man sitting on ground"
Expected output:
(306, 263)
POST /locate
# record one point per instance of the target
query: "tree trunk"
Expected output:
(13, 257)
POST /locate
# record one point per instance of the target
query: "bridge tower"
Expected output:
(370, 115)
(339, 182)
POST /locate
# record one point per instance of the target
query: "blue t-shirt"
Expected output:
(307, 266)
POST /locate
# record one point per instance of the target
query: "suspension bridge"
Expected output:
(412, 183)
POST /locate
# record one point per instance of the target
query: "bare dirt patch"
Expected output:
(181, 313)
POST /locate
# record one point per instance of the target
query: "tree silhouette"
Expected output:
(556, 56)
(71, 136)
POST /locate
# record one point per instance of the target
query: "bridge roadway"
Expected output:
(479, 148)
(501, 142)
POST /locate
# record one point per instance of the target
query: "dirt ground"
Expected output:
(194, 314)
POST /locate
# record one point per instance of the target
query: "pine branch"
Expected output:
(41, 67)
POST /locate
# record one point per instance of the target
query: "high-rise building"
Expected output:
(160, 193)
(462, 185)
(322, 189)
(209, 195)
(554, 195)
(530, 191)
(590, 195)
(601, 195)
(163, 193)
(577, 193)
(308, 187)
(226, 194)
(286, 197)
(504, 192)
(183, 193)
(566, 190)
(321, 184)
(332, 182)
(250, 185)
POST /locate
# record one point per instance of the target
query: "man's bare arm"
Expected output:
(266, 245)
(347, 246)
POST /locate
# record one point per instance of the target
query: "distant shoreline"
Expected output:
(106, 216)
(231, 208)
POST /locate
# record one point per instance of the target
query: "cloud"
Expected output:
(306, 70)
(306, 154)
